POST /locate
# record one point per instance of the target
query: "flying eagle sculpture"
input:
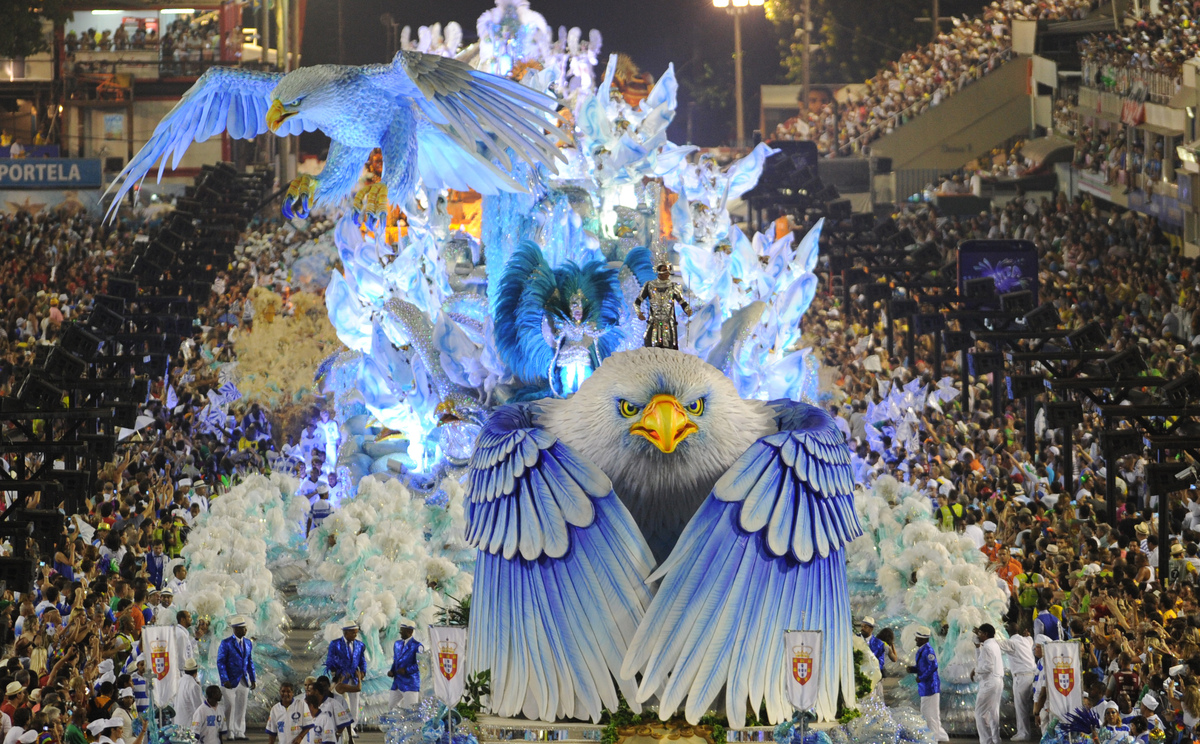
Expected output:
(572, 502)
(433, 117)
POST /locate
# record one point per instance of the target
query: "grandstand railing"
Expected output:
(154, 69)
(911, 182)
(1130, 82)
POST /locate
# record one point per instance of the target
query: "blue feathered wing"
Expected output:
(224, 99)
(560, 573)
(763, 554)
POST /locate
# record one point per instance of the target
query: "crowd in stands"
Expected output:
(1146, 58)
(1120, 158)
(73, 670)
(1072, 570)
(185, 45)
(921, 78)
(183, 35)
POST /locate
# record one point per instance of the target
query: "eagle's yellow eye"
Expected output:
(627, 409)
(696, 408)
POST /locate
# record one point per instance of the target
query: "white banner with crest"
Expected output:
(1064, 694)
(449, 647)
(802, 650)
(164, 663)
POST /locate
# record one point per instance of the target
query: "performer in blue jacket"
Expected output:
(156, 562)
(235, 665)
(346, 664)
(406, 676)
(877, 646)
(929, 685)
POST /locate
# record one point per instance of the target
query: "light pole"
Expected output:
(737, 8)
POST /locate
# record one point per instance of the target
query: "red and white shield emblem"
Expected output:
(448, 663)
(802, 668)
(160, 659)
(1064, 680)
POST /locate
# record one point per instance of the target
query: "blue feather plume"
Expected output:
(1081, 721)
(525, 285)
(641, 263)
(530, 292)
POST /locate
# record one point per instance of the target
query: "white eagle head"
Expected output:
(309, 93)
(663, 426)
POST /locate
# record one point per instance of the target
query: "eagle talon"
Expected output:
(370, 208)
(300, 195)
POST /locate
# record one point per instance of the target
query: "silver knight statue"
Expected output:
(661, 294)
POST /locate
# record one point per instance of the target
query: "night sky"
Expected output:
(689, 33)
(652, 32)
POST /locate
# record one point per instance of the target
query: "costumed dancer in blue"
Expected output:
(156, 562)
(877, 646)
(929, 685)
(235, 665)
(346, 663)
(405, 674)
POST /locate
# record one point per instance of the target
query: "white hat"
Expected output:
(350, 626)
(100, 725)
(322, 488)
(989, 526)
(103, 667)
(189, 665)
(184, 482)
(1150, 701)
(166, 591)
(923, 631)
(126, 692)
(868, 620)
(237, 621)
(13, 688)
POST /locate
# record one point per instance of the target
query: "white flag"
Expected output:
(164, 663)
(1060, 660)
(803, 649)
(450, 656)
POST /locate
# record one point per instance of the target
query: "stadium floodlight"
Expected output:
(983, 288)
(1020, 301)
(1090, 336)
(1025, 386)
(981, 363)
(1128, 363)
(1182, 390)
(1042, 317)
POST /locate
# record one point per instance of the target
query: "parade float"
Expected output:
(487, 299)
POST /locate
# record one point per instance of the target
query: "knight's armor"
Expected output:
(661, 328)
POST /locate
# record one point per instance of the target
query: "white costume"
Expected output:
(187, 698)
(1019, 649)
(989, 674)
(208, 723)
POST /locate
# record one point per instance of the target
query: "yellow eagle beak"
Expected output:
(664, 423)
(277, 115)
